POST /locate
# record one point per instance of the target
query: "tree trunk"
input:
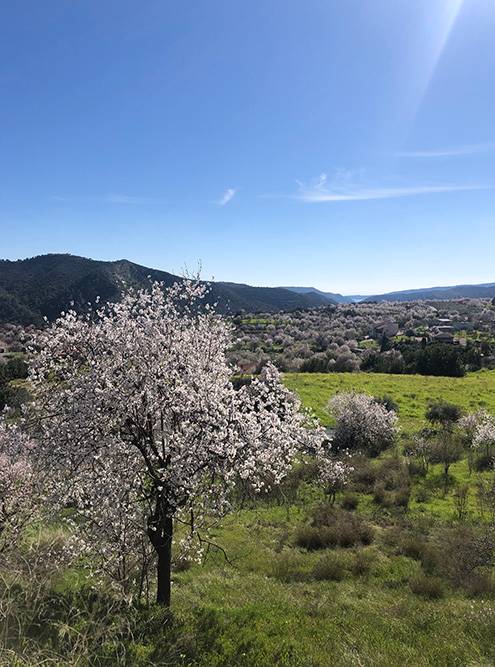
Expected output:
(164, 564)
(160, 531)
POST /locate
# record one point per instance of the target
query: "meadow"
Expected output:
(412, 393)
(272, 596)
(273, 603)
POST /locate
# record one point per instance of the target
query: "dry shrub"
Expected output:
(331, 527)
(430, 588)
(330, 567)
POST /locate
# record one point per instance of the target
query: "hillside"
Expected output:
(333, 297)
(482, 291)
(45, 285)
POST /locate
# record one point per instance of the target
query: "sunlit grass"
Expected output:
(411, 392)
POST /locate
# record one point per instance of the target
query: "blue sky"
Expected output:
(348, 145)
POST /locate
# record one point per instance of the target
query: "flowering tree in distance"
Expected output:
(18, 485)
(362, 423)
(137, 416)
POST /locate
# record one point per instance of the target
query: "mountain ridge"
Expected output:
(332, 296)
(440, 293)
(40, 286)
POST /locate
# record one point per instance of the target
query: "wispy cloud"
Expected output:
(226, 197)
(453, 151)
(344, 189)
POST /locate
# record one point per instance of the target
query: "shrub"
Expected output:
(401, 497)
(288, 566)
(483, 462)
(315, 537)
(422, 495)
(392, 487)
(349, 501)
(479, 585)
(364, 475)
(361, 424)
(379, 493)
(346, 529)
(442, 412)
(465, 549)
(362, 563)
(418, 548)
(430, 588)
(388, 402)
(329, 567)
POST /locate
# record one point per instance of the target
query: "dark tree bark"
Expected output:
(160, 532)
(164, 564)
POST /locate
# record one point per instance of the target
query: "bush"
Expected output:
(362, 563)
(388, 403)
(401, 497)
(465, 549)
(288, 566)
(364, 475)
(362, 424)
(347, 529)
(483, 462)
(422, 495)
(442, 412)
(479, 585)
(349, 501)
(430, 588)
(315, 537)
(330, 567)
(392, 488)
(418, 548)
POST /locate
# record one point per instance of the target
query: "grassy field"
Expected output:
(411, 392)
(269, 604)
(265, 608)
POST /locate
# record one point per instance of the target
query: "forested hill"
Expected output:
(45, 285)
(483, 291)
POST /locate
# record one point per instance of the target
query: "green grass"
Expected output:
(411, 392)
(264, 607)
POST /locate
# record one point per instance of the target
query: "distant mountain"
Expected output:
(483, 291)
(331, 296)
(45, 285)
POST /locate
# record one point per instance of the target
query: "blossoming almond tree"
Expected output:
(18, 485)
(137, 414)
(362, 423)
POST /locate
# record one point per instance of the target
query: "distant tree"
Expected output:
(440, 359)
(480, 428)
(443, 413)
(334, 476)
(19, 485)
(385, 343)
(445, 449)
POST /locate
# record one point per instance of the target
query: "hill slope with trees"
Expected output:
(33, 288)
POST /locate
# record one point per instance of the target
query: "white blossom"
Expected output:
(140, 425)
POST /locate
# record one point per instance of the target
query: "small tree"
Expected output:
(19, 492)
(141, 427)
(362, 424)
(443, 413)
(334, 476)
(446, 449)
(484, 436)
(478, 430)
